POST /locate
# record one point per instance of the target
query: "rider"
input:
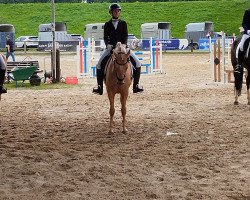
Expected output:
(115, 30)
(245, 36)
(2, 74)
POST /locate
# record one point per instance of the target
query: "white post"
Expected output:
(151, 56)
(160, 60)
(210, 48)
(90, 56)
(53, 56)
(212, 59)
(78, 61)
(223, 56)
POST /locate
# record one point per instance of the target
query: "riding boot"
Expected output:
(136, 76)
(238, 67)
(100, 76)
(2, 77)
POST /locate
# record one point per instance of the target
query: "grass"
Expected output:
(226, 15)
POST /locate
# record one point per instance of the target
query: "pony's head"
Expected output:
(120, 58)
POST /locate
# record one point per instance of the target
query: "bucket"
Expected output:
(71, 80)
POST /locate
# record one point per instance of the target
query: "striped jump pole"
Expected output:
(84, 58)
(156, 53)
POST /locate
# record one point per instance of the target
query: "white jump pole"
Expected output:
(223, 56)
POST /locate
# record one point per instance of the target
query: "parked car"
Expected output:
(133, 42)
(29, 41)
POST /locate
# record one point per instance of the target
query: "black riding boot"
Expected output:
(100, 76)
(2, 77)
(238, 67)
(136, 76)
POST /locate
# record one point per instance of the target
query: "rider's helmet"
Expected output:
(114, 6)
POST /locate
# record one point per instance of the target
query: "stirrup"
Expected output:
(98, 90)
(238, 68)
(137, 89)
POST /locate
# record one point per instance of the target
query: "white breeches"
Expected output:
(107, 52)
(241, 44)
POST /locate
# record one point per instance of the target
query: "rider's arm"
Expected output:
(124, 33)
(106, 34)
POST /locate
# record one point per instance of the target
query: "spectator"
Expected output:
(10, 49)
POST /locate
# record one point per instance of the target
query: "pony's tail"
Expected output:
(238, 80)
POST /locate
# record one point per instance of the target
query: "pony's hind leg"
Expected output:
(236, 96)
(238, 79)
(123, 100)
(111, 111)
(248, 86)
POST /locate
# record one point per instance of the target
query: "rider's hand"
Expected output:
(109, 47)
(248, 32)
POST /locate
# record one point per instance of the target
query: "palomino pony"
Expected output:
(239, 76)
(118, 80)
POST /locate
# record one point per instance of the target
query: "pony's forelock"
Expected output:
(121, 47)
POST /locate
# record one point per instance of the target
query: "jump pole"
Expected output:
(156, 56)
(219, 57)
(81, 59)
(86, 51)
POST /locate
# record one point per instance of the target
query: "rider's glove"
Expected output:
(109, 47)
(248, 32)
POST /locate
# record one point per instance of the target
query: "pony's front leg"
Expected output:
(236, 96)
(123, 100)
(111, 111)
(248, 86)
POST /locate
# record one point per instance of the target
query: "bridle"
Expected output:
(120, 80)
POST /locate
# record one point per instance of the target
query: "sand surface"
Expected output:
(186, 140)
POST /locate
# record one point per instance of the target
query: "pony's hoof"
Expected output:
(236, 103)
(125, 131)
(111, 132)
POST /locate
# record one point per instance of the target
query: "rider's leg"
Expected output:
(100, 66)
(99, 89)
(7, 55)
(12, 56)
(136, 73)
(240, 53)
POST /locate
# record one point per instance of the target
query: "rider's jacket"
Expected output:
(112, 35)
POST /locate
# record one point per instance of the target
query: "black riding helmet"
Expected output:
(114, 6)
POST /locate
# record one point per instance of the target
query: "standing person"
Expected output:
(208, 34)
(10, 49)
(2, 73)
(245, 36)
(115, 30)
